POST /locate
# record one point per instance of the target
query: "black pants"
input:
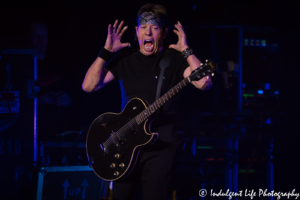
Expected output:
(153, 171)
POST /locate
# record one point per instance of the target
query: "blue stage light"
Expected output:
(260, 91)
(268, 121)
(267, 86)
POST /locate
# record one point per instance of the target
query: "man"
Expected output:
(137, 72)
(54, 96)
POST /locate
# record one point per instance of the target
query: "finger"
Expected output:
(179, 28)
(176, 32)
(59, 98)
(120, 26)
(60, 104)
(172, 46)
(126, 44)
(176, 26)
(115, 26)
(109, 29)
(123, 30)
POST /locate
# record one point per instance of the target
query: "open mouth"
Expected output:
(148, 45)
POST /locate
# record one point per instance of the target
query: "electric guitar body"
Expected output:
(116, 158)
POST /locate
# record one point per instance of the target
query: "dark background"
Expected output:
(77, 31)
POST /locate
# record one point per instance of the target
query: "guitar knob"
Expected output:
(117, 155)
(122, 165)
(116, 173)
(112, 165)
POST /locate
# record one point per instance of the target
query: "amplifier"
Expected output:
(69, 182)
(62, 154)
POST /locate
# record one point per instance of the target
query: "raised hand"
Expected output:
(113, 40)
(182, 43)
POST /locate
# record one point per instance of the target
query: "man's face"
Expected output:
(150, 38)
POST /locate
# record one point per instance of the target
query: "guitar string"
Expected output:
(120, 131)
(147, 112)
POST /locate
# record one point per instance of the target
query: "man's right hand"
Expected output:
(113, 40)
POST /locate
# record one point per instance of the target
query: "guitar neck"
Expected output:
(197, 74)
(161, 101)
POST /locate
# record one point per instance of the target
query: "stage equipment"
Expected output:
(62, 153)
(27, 52)
(72, 182)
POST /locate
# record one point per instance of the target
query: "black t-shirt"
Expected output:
(138, 77)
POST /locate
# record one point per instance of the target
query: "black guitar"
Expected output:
(114, 139)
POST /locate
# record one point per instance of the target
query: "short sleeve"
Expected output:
(112, 66)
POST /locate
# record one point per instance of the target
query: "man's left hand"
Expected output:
(63, 99)
(182, 43)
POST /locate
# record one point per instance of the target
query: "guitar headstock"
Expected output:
(206, 68)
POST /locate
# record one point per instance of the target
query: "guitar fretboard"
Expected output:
(160, 102)
(140, 118)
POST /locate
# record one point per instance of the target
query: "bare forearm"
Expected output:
(193, 61)
(204, 83)
(93, 79)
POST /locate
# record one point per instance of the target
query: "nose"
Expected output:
(148, 31)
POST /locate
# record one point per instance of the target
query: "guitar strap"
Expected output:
(163, 64)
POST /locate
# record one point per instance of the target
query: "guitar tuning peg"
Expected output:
(212, 74)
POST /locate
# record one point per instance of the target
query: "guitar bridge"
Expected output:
(103, 148)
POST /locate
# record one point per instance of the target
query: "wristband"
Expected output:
(187, 52)
(105, 54)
